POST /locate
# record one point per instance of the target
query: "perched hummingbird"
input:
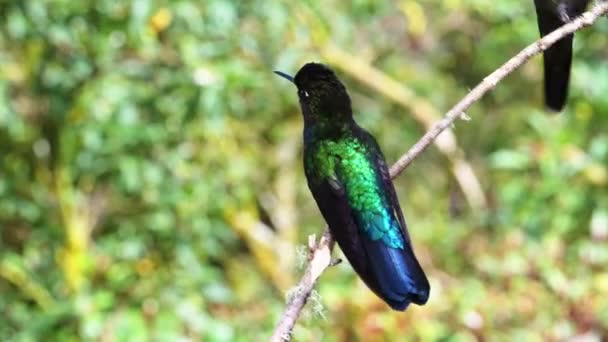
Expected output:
(552, 14)
(349, 179)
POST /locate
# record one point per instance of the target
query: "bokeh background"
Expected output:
(151, 183)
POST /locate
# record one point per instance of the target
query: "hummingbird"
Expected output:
(350, 182)
(552, 14)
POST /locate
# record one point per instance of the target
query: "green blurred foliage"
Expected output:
(151, 185)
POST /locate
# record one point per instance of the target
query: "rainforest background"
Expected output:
(151, 182)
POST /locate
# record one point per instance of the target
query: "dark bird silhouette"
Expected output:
(349, 179)
(552, 14)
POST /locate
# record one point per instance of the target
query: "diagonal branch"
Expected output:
(488, 83)
(320, 251)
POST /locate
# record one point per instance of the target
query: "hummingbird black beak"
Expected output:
(284, 75)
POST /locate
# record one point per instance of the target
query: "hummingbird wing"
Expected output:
(387, 182)
(406, 265)
(385, 251)
(332, 201)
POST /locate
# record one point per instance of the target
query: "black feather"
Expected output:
(557, 60)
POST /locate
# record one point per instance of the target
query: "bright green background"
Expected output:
(151, 183)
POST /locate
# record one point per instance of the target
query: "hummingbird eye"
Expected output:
(303, 93)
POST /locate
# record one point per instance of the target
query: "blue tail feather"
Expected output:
(398, 277)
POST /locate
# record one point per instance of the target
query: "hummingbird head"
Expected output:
(322, 96)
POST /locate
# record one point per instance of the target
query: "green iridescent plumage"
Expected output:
(349, 158)
(350, 182)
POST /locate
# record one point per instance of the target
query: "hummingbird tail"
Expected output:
(557, 62)
(397, 275)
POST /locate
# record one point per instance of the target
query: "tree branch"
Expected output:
(321, 251)
(488, 83)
